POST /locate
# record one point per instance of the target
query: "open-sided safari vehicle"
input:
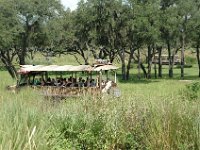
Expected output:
(68, 81)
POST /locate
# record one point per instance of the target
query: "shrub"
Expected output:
(190, 60)
(191, 91)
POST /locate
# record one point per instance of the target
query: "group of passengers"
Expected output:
(64, 82)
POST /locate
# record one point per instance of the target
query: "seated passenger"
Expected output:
(68, 82)
(81, 83)
(92, 83)
(36, 82)
(64, 83)
(87, 82)
(57, 82)
(43, 83)
(48, 81)
(53, 82)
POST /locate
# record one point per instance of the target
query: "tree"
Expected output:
(22, 23)
(194, 29)
(168, 29)
(83, 35)
(10, 29)
(185, 14)
(148, 24)
(33, 15)
(104, 26)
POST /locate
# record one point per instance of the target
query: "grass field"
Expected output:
(150, 114)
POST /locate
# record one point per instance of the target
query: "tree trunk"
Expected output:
(160, 62)
(112, 54)
(149, 62)
(122, 57)
(11, 70)
(123, 70)
(139, 65)
(170, 60)
(129, 65)
(22, 58)
(155, 67)
(144, 70)
(182, 56)
(198, 58)
(85, 58)
(22, 53)
(9, 66)
(173, 58)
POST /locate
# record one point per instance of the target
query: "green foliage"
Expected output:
(192, 91)
(190, 60)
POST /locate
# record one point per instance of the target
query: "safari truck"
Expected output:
(70, 81)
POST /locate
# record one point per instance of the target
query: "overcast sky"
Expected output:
(72, 4)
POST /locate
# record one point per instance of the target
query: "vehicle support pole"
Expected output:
(115, 77)
(90, 75)
(97, 80)
(107, 75)
(76, 75)
(100, 80)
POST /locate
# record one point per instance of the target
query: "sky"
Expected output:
(72, 4)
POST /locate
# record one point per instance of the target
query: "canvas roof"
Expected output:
(40, 68)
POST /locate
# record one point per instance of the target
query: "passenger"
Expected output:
(92, 83)
(36, 81)
(80, 79)
(87, 83)
(64, 83)
(57, 83)
(53, 81)
(70, 79)
(69, 82)
(81, 83)
(73, 82)
(48, 81)
(43, 83)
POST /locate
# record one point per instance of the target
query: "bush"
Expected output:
(191, 91)
(190, 60)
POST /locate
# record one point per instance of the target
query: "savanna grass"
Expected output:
(148, 115)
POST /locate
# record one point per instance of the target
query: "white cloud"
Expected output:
(72, 4)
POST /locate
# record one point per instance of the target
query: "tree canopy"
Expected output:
(106, 29)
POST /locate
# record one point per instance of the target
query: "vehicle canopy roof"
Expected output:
(26, 69)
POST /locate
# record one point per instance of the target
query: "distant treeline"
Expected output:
(103, 29)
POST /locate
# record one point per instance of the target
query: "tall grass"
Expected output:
(148, 115)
